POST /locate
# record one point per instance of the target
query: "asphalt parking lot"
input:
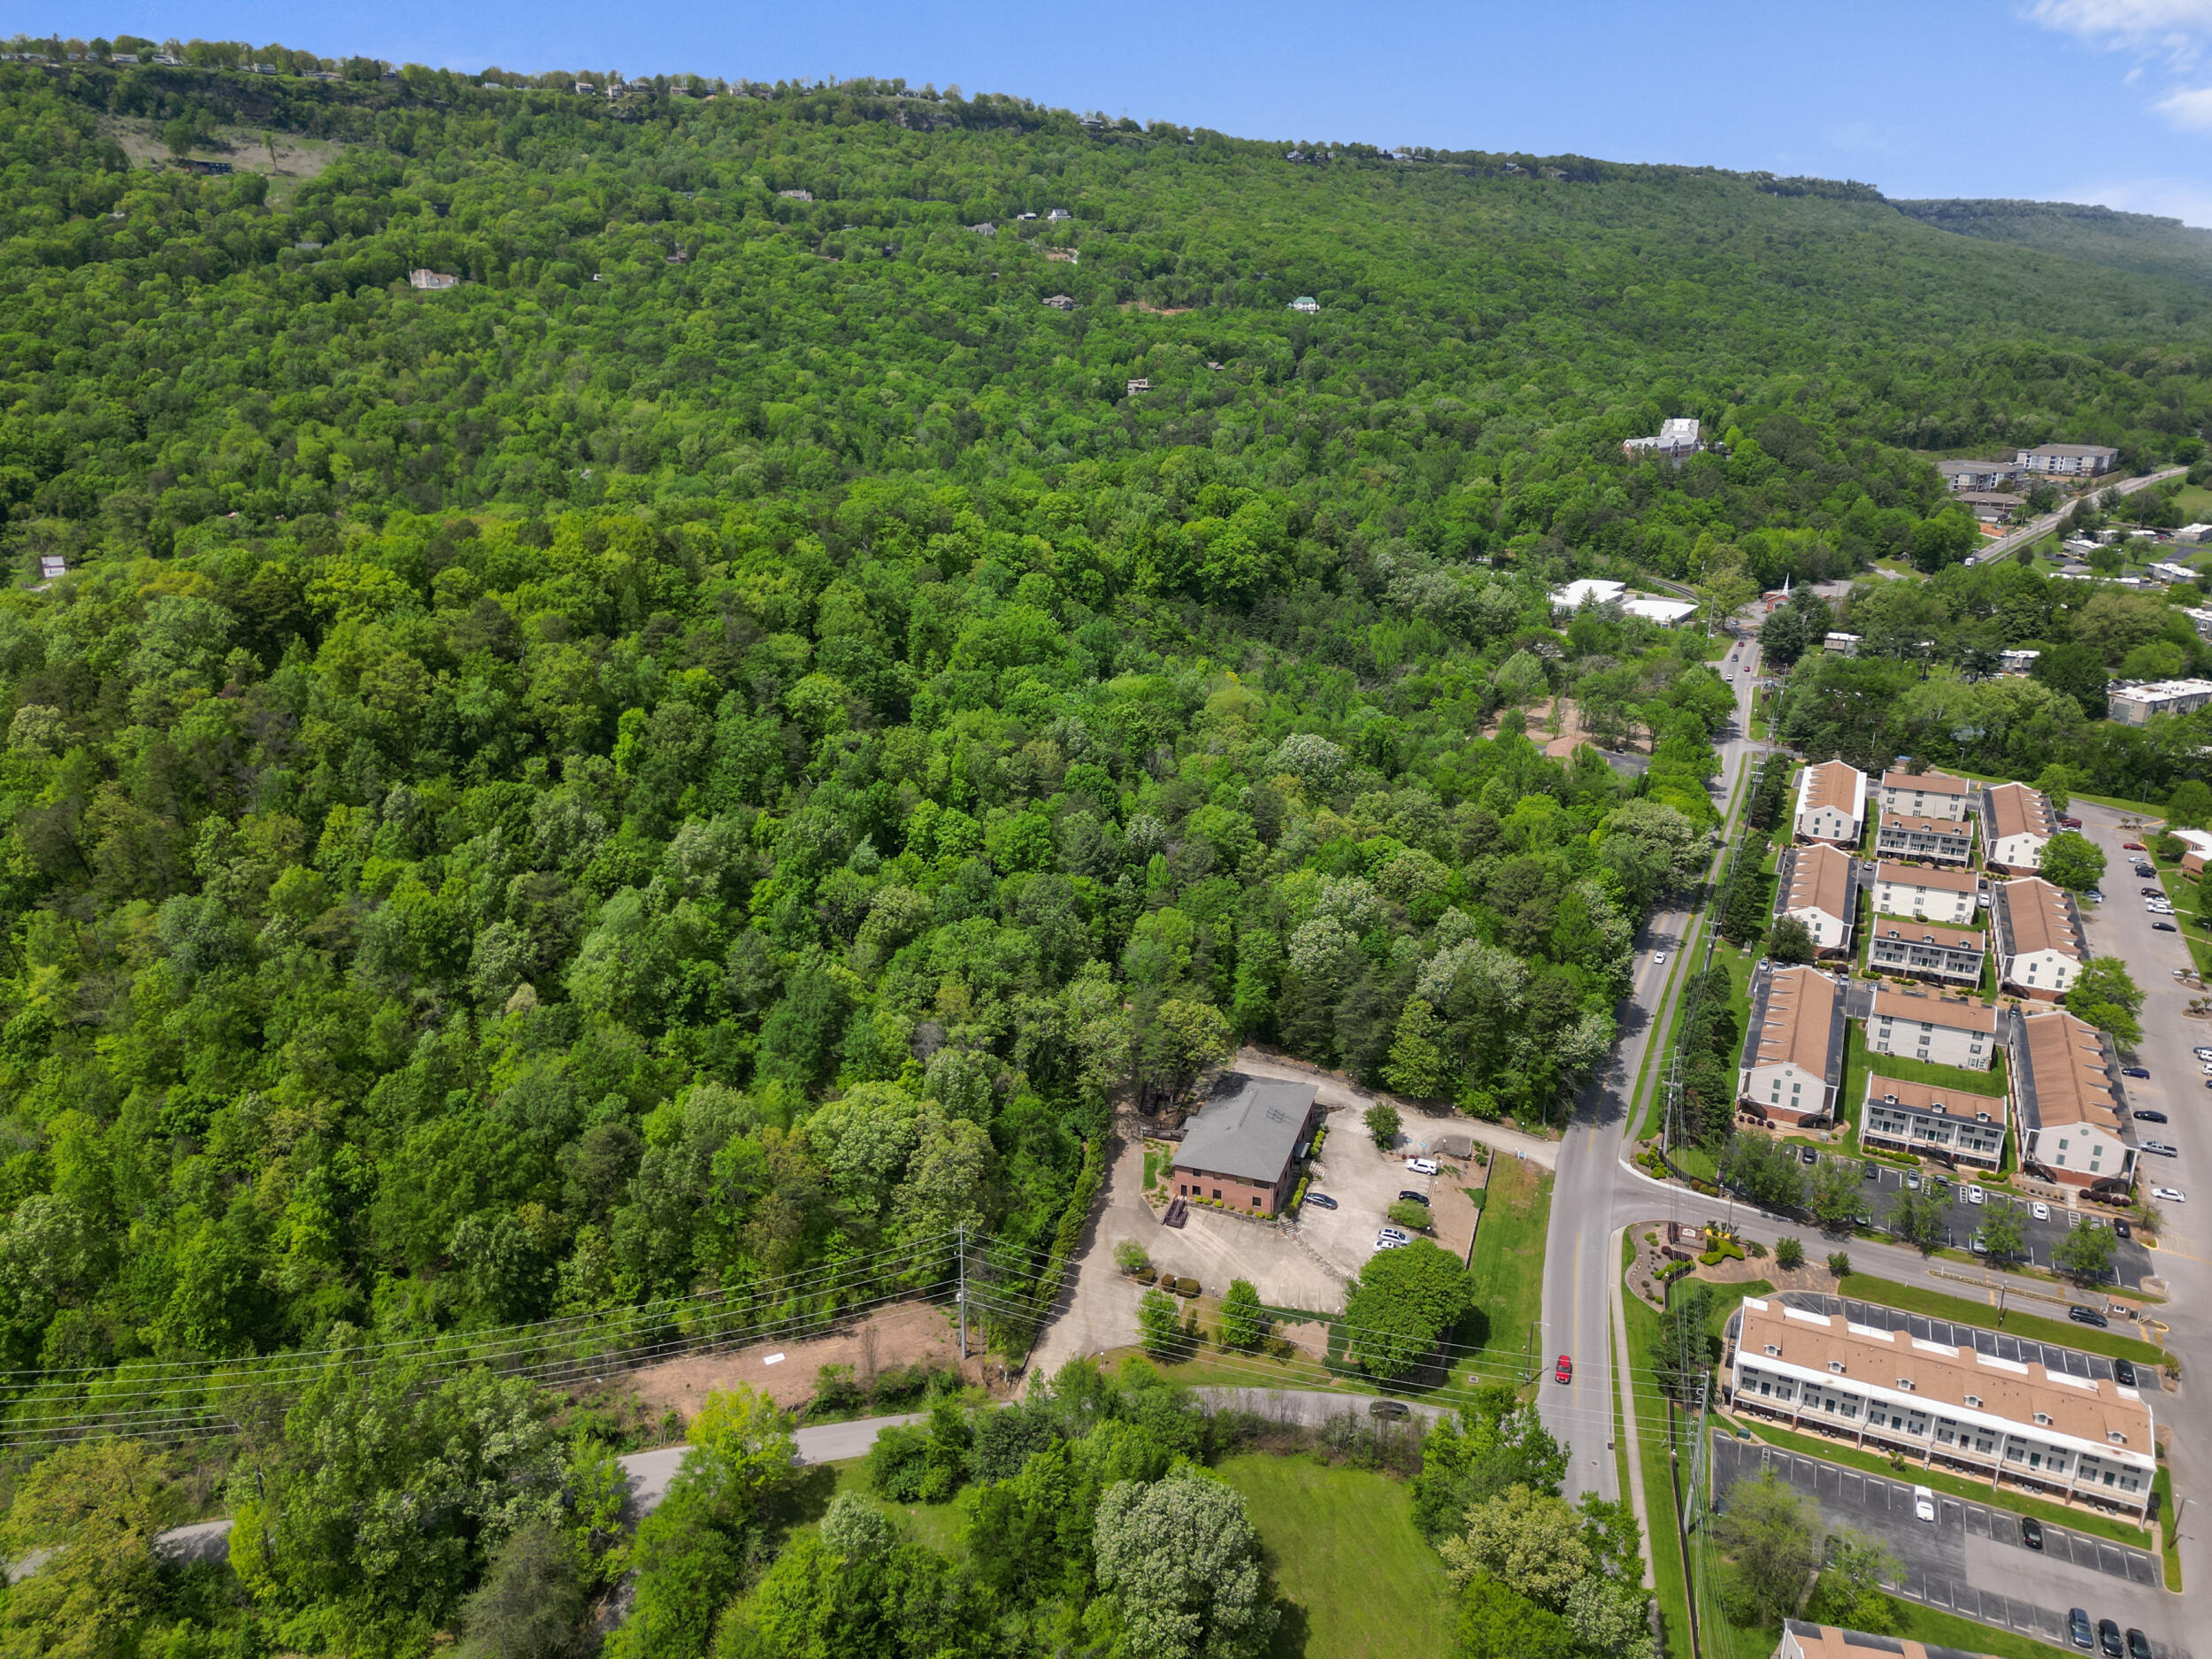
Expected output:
(2131, 1262)
(1969, 1560)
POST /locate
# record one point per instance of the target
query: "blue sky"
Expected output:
(2103, 101)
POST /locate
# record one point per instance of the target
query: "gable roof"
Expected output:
(1251, 1132)
(1925, 1097)
(1921, 876)
(1796, 1020)
(2032, 915)
(1926, 782)
(2013, 809)
(1833, 783)
(1911, 933)
(2063, 1074)
(1954, 1013)
(1821, 879)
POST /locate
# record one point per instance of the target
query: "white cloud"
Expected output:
(2191, 107)
(2125, 21)
(2188, 200)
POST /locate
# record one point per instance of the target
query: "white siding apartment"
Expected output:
(2000, 1419)
(1819, 885)
(2018, 824)
(2072, 1124)
(1832, 804)
(2068, 459)
(1926, 794)
(1921, 1119)
(1942, 1030)
(2040, 946)
(1926, 894)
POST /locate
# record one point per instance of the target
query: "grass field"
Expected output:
(1508, 1269)
(2059, 1333)
(1667, 1570)
(940, 1526)
(1359, 1581)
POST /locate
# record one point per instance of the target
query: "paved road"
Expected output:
(1998, 546)
(1970, 1559)
(1581, 1261)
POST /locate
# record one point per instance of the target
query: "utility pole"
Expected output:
(960, 1235)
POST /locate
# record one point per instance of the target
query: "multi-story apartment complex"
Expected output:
(1927, 895)
(1951, 956)
(1999, 1419)
(1943, 839)
(1941, 1122)
(1819, 885)
(2133, 705)
(1803, 1641)
(1832, 804)
(1942, 1030)
(1925, 794)
(2040, 946)
(1978, 475)
(2017, 823)
(2068, 460)
(2069, 1115)
(1793, 1056)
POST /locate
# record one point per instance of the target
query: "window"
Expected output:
(1906, 1383)
(1217, 1191)
(1774, 1350)
(2044, 1417)
(1836, 1365)
(1974, 1401)
(2115, 1437)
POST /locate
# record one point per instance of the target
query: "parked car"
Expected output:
(1564, 1371)
(1422, 1166)
(1406, 1194)
(2169, 1194)
(2070, 823)
(2031, 1532)
(1396, 1411)
(1322, 1200)
(2133, 847)
(2164, 927)
(2138, 1645)
(1396, 1235)
(2077, 1628)
(1977, 1243)
(2108, 1638)
(1974, 1195)
(1808, 1155)
(2152, 893)
(2162, 1148)
(2088, 1315)
(2121, 1229)
(1912, 1179)
(1873, 1170)
(2134, 1070)
(2040, 1211)
(2150, 1118)
(1923, 1504)
(2202, 1053)
(1389, 1244)
(2123, 1374)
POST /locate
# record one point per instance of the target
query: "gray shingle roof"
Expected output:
(1250, 1133)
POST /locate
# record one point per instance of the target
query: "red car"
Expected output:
(2131, 847)
(1565, 1370)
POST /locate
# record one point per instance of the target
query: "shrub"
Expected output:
(1148, 1276)
(1130, 1256)
(1839, 1263)
(1756, 1250)
(1789, 1253)
(1406, 1213)
(1186, 1287)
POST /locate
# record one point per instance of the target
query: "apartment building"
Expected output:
(2001, 1420)
(2069, 1115)
(1942, 1030)
(1950, 955)
(1963, 476)
(2068, 460)
(2017, 823)
(1832, 804)
(1943, 1122)
(1793, 1056)
(1819, 885)
(1927, 895)
(2133, 705)
(1926, 794)
(1942, 840)
(2040, 946)
(1803, 1641)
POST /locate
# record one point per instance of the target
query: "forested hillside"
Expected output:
(704, 759)
(2097, 235)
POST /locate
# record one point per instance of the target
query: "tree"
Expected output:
(2072, 861)
(1917, 1218)
(1683, 1352)
(1401, 1303)
(1765, 1171)
(2190, 806)
(92, 1509)
(2004, 1237)
(1404, 1212)
(1789, 1254)
(1184, 1039)
(1834, 1196)
(1494, 1442)
(532, 1601)
(1160, 1325)
(1131, 1257)
(1382, 1122)
(2059, 781)
(1839, 1263)
(1531, 1542)
(178, 137)
(2085, 1254)
(1496, 1622)
(1773, 1545)
(1417, 1067)
(1242, 1322)
(2105, 995)
(1183, 1564)
(1790, 941)
(1849, 1593)
(2077, 671)
(742, 1453)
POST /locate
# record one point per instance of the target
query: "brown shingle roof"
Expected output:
(1820, 880)
(1926, 782)
(2067, 1082)
(1927, 933)
(2087, 1410)
(1832, 783)
(1927, 825)
(2016, 810)
(1922, 1097)
(2032, 916)
(1925, 876)
(1800, 1018)
(1950, 1011)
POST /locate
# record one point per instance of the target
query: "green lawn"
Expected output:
(940, 1526)
(1508, 1269)
(1668, 1569)
(1958, 1485)
(1360, 1583)
(1905, 1069)
(2059, 1333)
(2164, 1487)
